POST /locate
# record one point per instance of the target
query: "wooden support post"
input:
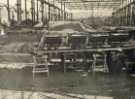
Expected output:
(63, 62)
(35, 64)
(46, 64)
(105, 63)
(87, 41)
(106, 43)
(65, 69)
(93, 64)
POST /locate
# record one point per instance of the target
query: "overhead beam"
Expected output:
(91, 1)
(77, 6)
(51, 5)
(92, 5)
(85, 3)
(95, 4)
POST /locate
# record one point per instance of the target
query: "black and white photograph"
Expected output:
(67, 49)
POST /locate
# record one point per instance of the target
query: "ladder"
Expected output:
(40, 65)
(99, 58)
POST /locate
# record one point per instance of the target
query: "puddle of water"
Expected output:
(121, 87)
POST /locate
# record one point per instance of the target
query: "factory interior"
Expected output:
(67, 49)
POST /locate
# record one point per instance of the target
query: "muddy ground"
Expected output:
(120, 87)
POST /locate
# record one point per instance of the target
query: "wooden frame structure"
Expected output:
(65, 52)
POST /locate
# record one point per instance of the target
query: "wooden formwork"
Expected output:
(62, 52)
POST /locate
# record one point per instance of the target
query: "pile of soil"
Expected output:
(19, 42)
(73, 26)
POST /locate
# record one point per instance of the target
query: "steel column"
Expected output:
(19, 12)
(26, 17)
(8, 9)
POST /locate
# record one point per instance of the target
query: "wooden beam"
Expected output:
(87, 50)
